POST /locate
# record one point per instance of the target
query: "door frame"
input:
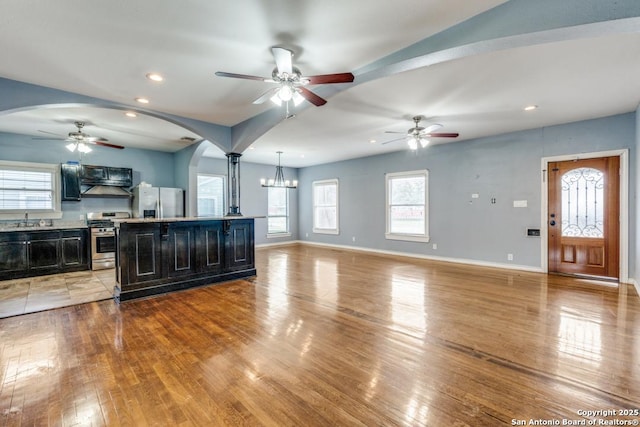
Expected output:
(623, 274)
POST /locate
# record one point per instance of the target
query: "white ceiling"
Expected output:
(105, 49)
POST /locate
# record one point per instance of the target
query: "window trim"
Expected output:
(287, 216)
(407, 237)
(224, 191)
(54, 169)
(333, 231)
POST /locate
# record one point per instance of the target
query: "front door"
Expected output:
(584, 217)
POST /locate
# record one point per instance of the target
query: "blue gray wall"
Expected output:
(253, 198)
(153, 167)
(505, 167)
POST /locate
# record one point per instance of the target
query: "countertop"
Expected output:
(62, 225)
(180, 219)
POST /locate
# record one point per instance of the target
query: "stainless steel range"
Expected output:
(103, 238)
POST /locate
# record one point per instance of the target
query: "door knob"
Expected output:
(552, 222)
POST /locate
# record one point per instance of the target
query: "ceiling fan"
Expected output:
(78, 140)
(291, 82)
(420, 135)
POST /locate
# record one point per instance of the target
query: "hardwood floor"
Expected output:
(330, 337)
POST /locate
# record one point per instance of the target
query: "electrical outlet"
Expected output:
(435, 246)
(509, 257)
(306, 235)
(353, 239)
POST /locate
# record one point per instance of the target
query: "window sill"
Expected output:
(276, 235)
(407, 237)
(322, 231)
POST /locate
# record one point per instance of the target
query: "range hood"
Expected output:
(106, 191)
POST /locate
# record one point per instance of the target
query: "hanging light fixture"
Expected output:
(279, 180)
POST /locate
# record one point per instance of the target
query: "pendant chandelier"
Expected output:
(279, 180)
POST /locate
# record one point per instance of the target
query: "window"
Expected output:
(210, 195)
(583, 203)
(325, 207)
(407, 208)
(29, 188)
(277, 211)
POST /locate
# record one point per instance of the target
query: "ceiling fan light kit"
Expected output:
(279, 181)
(80, 146)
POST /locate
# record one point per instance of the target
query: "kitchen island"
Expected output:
(155, 256)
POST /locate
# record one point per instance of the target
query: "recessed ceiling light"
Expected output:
(155, 77)
(302, 156)
(142, 100)
(130, 114)
(530, 107)
(372, 141)
(252, 148)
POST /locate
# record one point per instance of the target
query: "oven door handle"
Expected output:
(107, 234)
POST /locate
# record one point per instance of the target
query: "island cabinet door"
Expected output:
(179, 249)
(143, 253)
(238, 245)
(210, 248)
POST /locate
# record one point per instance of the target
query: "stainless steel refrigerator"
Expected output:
(157, 202)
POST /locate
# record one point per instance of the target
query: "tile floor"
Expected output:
(20, 296)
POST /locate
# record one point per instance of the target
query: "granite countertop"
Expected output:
(180, 219)
(34, 226)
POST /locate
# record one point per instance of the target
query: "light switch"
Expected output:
(519, 203)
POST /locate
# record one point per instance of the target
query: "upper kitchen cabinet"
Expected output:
(70, 182)
(106, 175)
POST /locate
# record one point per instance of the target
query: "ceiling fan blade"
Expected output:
(394, 140)
(44, 138)
(105, 144)
(242, 76)
(266, 96)
(312, 97)
(283, 59)
(432, 128)
(393, 131)
(95, 139)
(51, 133)
(330, 78)
(442, 135)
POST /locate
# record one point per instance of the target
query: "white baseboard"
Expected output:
(635, 285)
(285, 243)
(428, 257)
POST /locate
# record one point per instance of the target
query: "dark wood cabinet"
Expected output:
(106, 175)
(158, 256)
(13, 254)
(74, 248)
(142, 253)
(209, 238)
(181, 245)
(70, 182)
(36, 253)
(43, 251)
(238, 244)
